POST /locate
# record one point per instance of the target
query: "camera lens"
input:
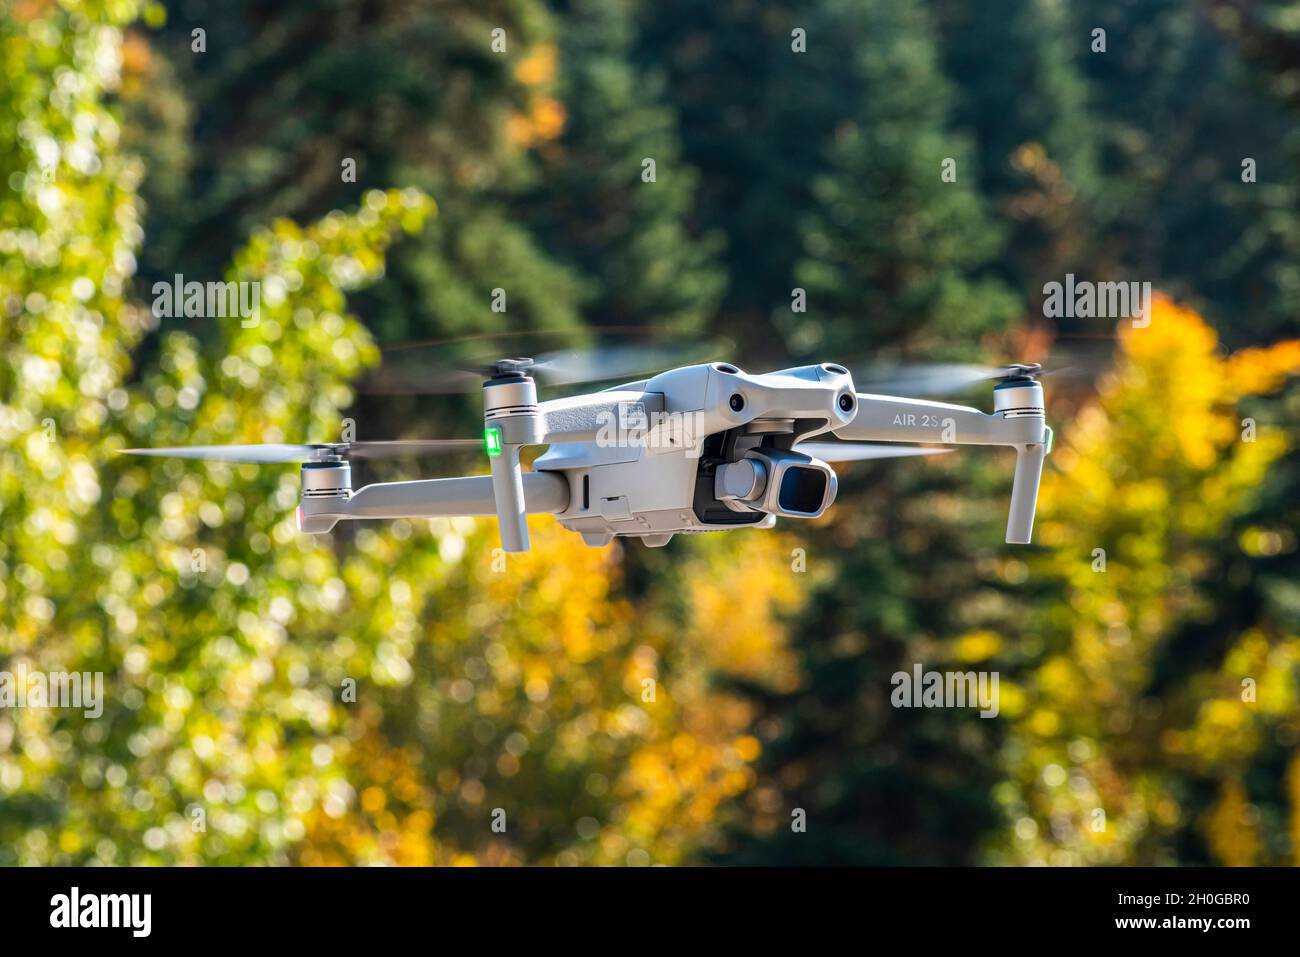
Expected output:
(803, 490)
(737, 402)
(846, 403)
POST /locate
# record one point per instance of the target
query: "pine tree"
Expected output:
(913, 570)
(1178, 117)
(598, 204)
(1036, 143)
(301, 107)
(895, 247)
(758, 92)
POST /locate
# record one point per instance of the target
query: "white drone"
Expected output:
(695, 449)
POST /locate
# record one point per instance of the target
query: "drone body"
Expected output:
(703, 448)
(699, 448)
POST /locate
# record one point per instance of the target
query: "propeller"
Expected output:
(423, 368)
(315, 452)
(939, 378)
(862, 451)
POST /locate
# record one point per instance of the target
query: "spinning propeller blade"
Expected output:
(234, 453)
(423, 368)
(396, 449)
(274, 452)
(573, 366)
(937, 378)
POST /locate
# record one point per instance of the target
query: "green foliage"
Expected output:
(675, 705)
(1178, 114)
(231, 644)
(903, 271)
(754, 120)
(1036, 142)
(411, 94)
(1151, 723)
(184, 588)
(593, 207)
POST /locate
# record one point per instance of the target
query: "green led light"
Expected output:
(1051, 436)
(492, 439)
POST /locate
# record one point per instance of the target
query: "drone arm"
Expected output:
(445, 497)
(1019, 423)
(886, 418)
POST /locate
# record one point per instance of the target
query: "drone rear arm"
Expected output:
(468, 495)
(432, 498)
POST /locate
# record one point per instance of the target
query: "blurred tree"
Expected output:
(897, 238)
(755, 114)
(230, 644)
(894, 257)
(592, 205)
(1036, 142)
(1267, 35)
(383, 92)
(1177, 118)
(1160, 708)
(594, 730)
(913, 571)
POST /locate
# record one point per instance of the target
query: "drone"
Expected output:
(699, 448)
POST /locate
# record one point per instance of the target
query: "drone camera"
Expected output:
(778, 482)
(803, 490)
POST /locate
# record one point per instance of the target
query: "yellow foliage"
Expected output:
(1151, 472)
(978, 645)
(537, 68)
(1231, 829)
(543, 121)
(550, 696)
(544, 118)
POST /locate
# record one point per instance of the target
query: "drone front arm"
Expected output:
(887, 418)
(1018, 422)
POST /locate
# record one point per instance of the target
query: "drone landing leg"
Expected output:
(508, 493)
(1024, 493)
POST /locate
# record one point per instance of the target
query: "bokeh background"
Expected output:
(1125, 735)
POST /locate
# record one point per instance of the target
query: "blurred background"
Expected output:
(1148, 644)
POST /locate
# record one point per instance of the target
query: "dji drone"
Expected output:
(695, 449)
